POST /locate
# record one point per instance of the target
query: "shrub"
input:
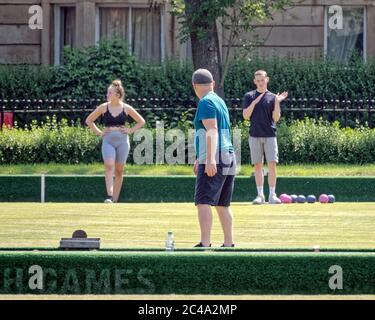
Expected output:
(306, 141)
(311, 141)
(305, 77)
(87, 72)
(25, 81)
(53, 142)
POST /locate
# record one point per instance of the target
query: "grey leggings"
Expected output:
(115, 146)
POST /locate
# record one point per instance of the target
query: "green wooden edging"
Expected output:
(187, 273)
(174, 188)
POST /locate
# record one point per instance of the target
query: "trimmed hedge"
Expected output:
(306, 141)
(174, 189)
(87, 72)
(311, 141)
(51, 142)
(186, 273)
(301, 77)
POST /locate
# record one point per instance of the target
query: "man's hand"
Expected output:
(281, 97)
(256, 101)
(278, 99)
(246, 113)
(210, 169)
(195, 168)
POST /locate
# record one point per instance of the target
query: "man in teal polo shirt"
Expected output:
(215, 165)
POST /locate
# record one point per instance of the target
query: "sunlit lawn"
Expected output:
(338, 225)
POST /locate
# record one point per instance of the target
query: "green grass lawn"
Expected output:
(246, 170)
(339, 225)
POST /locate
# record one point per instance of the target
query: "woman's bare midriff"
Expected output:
(114, 128)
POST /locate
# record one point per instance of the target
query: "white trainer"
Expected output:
(273, 199)
(259, 200)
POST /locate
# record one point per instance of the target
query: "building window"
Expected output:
(142, 28)
(342, 44)
(65, 30)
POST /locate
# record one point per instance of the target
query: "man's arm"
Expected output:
(211, 145)
(276, 114)
(249, 110)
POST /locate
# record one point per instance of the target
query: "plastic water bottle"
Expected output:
(169, 243)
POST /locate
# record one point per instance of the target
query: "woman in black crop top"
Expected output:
(115, 144)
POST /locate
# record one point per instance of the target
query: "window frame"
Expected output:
(326, 8)
(57, 29)
(131, 6)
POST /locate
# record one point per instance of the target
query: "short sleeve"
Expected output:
(273, 102)
(247, 99)
(206, 110)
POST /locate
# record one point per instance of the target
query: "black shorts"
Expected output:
(216, 190)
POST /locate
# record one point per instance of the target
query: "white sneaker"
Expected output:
(273, 199)
(259, 200)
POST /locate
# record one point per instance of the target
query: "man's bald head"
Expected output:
(202, 76)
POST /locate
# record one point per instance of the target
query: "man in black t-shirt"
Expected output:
(262, 108)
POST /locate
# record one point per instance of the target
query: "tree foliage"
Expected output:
(236, 19)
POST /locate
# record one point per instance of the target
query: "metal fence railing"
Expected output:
(347, 112)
